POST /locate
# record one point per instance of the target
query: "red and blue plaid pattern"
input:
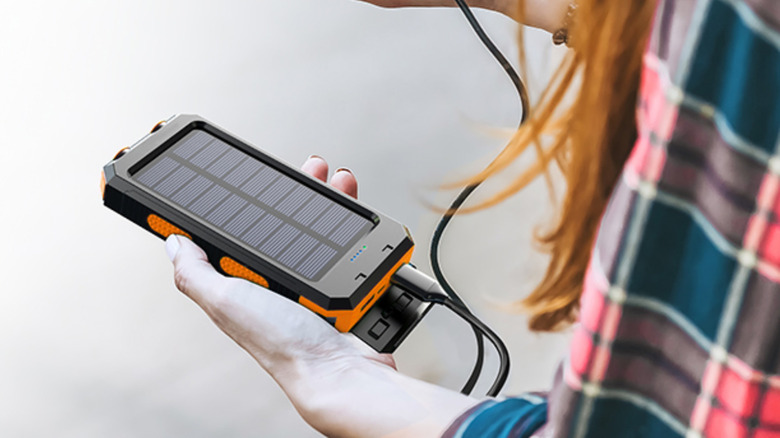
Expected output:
(679, 333)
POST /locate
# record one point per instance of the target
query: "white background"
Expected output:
(94, 339)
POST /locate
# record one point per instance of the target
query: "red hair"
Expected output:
(591, 140)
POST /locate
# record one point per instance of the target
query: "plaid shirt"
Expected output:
(679, 332)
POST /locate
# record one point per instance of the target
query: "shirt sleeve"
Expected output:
(516, 417)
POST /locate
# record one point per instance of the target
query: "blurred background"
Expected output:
(94, 339)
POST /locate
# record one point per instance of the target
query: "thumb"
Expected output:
(193, 274)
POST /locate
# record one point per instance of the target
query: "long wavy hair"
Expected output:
(586, 116)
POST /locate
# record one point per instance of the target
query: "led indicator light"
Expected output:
(357, 254)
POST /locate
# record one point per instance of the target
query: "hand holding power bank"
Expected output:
(265, 221)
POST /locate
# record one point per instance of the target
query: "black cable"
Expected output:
(437, 272)
(467, 191)
(503, 354)
(427, 289)
(510, 71)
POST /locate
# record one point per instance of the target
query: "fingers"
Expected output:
(193, 274)
(317, 167)
(343, 179)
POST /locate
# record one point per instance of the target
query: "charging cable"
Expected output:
(461, 198)
(427, 289)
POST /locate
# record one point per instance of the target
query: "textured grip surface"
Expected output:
(235, 269)
(163, 227)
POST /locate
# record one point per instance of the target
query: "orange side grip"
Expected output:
(163, 227)
(102, 185)
(235, 269)
(346, 319)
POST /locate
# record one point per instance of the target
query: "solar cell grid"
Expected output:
(281, 187)
(257, 205)
(311, 210)
(300, 195)
(346, 230)
(208, 154)
(211, 198)
(156, 173)
(195, 142)
(226, 162)
(262, 229)
(244, 219)
(241, 173)
(225, 211)
(260, 181)
(192, 190)
(318, 258)
(283, 237)
(329, 220)
(297, 250)
(174, 181)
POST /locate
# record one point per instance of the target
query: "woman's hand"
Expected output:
(266, 324)
(338, 384)
(544, 14)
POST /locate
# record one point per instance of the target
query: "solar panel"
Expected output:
(263, 209)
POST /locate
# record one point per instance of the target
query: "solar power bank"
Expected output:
(265, 221)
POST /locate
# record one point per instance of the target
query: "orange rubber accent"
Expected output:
(102, 185)
(163, 227)
(157, 126)
(121, 151)
(346, 319)
(235, 269)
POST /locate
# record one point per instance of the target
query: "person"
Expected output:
(665, 121)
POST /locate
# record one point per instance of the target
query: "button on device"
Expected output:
(378, 329)
(403, 301)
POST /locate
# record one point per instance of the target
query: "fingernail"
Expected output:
(315, 156)
(345, 169)
(172, 246)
